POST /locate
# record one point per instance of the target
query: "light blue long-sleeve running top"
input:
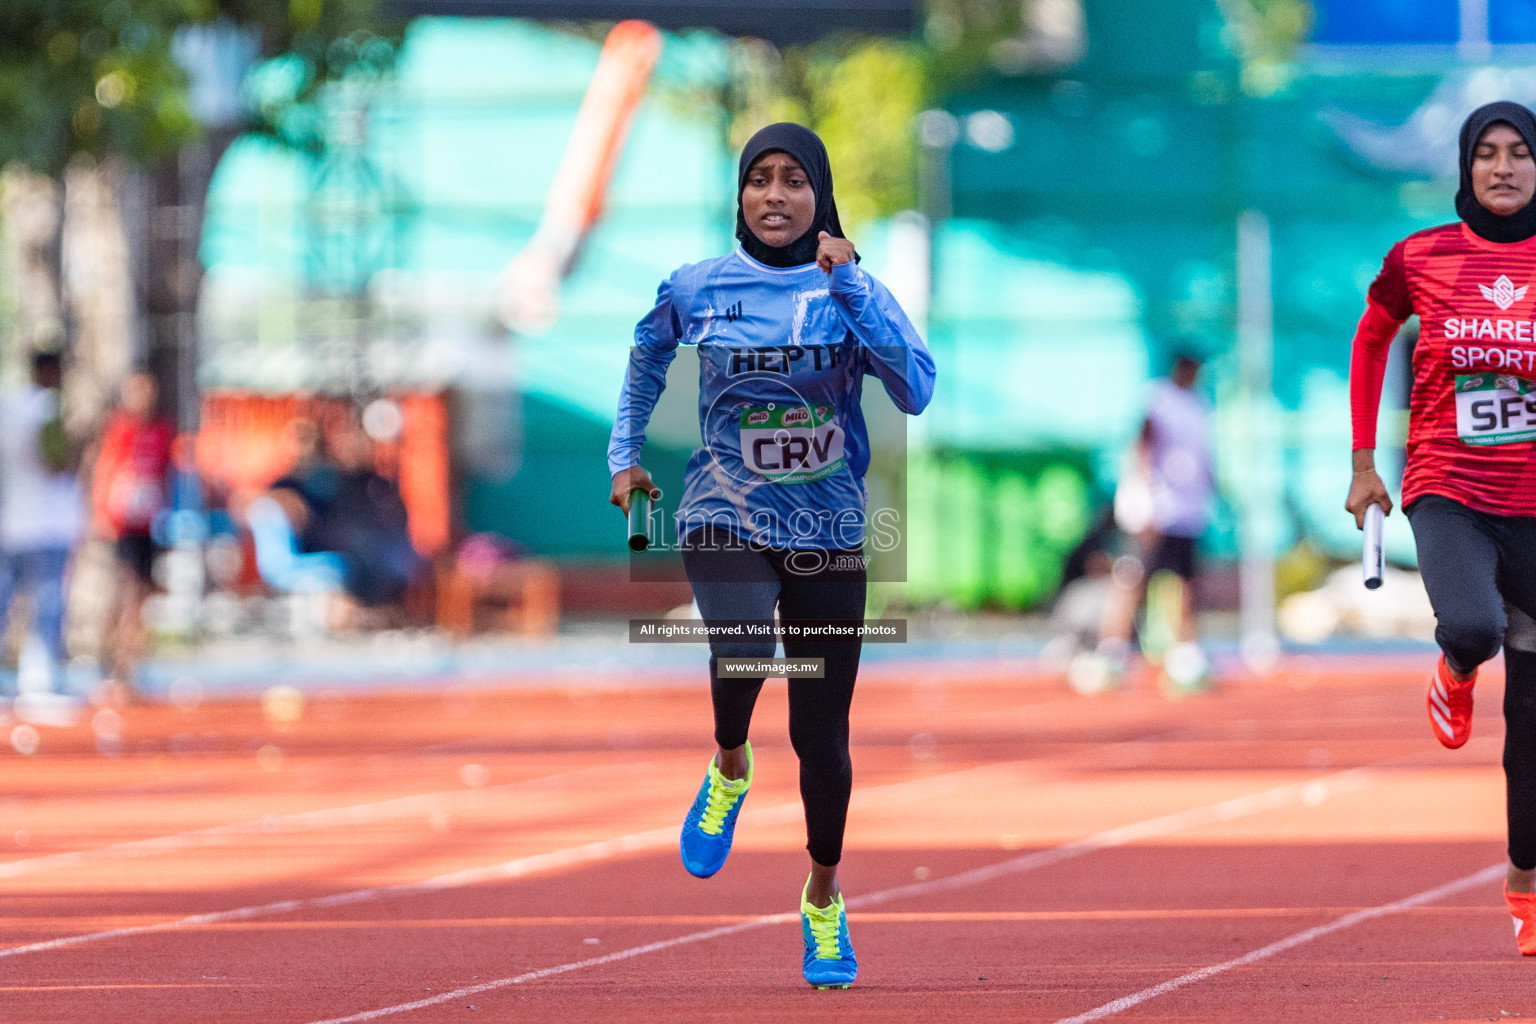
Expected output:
(782, 359)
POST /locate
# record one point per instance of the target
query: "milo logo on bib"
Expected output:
(791, 444)
(1495, 408)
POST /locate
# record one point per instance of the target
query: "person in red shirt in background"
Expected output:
(128, 490)
(1469, 486)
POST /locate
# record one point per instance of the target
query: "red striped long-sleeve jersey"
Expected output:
(1472, 415)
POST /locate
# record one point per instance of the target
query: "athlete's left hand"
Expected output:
(832, 252)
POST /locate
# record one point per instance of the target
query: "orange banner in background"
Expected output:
(423, 471)
(245, 442)
(530, 283)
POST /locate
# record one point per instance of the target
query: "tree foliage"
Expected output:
(99, 77)
(317, 31)
(1265, 35)
(961, 36)
(93, 77)
(864, 103)
(306, 44)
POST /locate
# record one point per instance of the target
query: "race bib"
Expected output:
(133, 500)
(1495, 408)
(791, 444)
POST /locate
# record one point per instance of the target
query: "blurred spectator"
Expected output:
(337, 502)
(128, 490)
(42, 510)
(307, 491)
(1173, 461)
(1086, 559)
(367, 523)
(1077, 614)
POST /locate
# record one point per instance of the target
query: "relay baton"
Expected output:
(1371, 558)
(640, 517)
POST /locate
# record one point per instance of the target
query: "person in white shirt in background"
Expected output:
(1173, 460)
(42, 518)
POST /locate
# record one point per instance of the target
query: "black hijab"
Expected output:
(807, 148)
(1521, 224)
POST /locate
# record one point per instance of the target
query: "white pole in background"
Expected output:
(1259, 495)
(1473, 42)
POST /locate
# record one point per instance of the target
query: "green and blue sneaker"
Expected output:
(829, 959)
(711, 821)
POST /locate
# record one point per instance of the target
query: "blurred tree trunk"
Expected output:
(67, 286)
(31, 221)
(98, 294)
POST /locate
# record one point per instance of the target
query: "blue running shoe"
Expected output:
(829, 959)
(711, 821)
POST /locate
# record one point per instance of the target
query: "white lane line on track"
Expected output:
(1309, 793)
(1115, 1006)
(660, 838)
(555, 860)
(546, 972)
(276, 824)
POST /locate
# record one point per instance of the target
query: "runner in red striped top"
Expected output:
(1470, 425)
(1469, 488)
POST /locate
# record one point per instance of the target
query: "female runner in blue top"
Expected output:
(773, 509)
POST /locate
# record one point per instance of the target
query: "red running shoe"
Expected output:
(1450, 706)
(1522, 907)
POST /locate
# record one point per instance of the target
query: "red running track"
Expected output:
(1293, 848)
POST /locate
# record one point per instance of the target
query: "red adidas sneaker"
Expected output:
(1450, 706)
(1522, 907)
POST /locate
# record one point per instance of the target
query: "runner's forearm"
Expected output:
(644, 380)
(895, 350)
(1367, 368)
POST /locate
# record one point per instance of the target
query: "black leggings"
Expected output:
(1480, 572)
(737, 583)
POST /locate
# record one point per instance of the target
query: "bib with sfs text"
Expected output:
(1495, 408)
(791, 444)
